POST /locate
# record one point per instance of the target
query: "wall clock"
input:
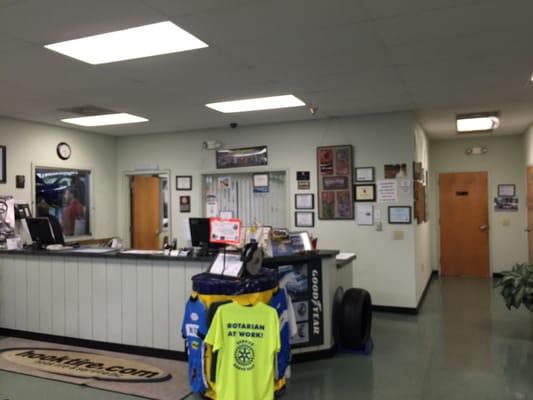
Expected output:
(64, 151)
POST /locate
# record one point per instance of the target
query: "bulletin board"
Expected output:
(335, 180)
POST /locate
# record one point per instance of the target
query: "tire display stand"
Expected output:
(215, 290)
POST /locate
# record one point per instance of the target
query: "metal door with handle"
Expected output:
(464, 227)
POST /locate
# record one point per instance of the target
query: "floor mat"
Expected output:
(147, 377)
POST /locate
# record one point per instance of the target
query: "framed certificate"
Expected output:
(364, 174)
(365, 192)
(304, 219)
(184, 182)
(304, 201)
(507, 190)
(399, 214)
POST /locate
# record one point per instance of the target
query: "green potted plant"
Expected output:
(517, 286)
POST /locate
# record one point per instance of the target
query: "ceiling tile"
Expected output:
(276, 20)
(457, 21)
(388, 8)
(50, 21)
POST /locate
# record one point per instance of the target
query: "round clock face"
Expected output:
(63, 151)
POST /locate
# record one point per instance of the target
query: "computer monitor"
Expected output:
(41, 231)
(199, 228)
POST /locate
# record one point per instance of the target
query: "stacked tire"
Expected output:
(352, 318)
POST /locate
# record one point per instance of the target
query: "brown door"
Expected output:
(464, 224)
(530, 212)
(145, 212)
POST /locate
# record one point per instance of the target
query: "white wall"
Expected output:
(504, 163)
(384, 266)
(423, 230)
(32, 143)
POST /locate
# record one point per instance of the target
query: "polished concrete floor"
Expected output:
(464, 345)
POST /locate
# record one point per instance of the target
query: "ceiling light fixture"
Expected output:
(478, 122)
(142, 41)
(105, 119)
(261, 103)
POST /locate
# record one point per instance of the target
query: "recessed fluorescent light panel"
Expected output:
(261, 103)
(142, 41)
(105, 119)
(484, 122)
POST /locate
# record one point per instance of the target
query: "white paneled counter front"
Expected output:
(124, 300)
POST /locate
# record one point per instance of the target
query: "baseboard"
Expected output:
(94, 344)
(313, 355)
(395, 310)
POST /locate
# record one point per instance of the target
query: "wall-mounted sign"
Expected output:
(225, 231)
(303, 283)
(244, 157)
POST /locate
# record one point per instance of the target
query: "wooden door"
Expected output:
(464, 224)
(530, 212)
(145, 212)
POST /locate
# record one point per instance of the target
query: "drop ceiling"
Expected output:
(346, 57)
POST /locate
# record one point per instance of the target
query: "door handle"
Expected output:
(484, 227)
(527, 230)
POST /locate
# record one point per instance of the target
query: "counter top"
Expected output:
(112, 254)
(269, 261)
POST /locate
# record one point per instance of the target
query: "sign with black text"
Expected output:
(303, 283)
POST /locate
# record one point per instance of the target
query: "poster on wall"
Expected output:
(395, 171)
(303, 283)
(334, 172)
(387, 191)
(502, 203)
(243, 157)
(303, 179)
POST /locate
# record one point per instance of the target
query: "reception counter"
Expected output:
(117, 301)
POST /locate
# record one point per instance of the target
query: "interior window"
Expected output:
(235, 195)
(64, 194)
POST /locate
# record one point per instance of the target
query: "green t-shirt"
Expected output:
(247, 340)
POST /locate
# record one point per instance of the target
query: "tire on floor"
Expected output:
(356, 319)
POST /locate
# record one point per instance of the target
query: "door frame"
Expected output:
(436, 213)
(125, 203)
